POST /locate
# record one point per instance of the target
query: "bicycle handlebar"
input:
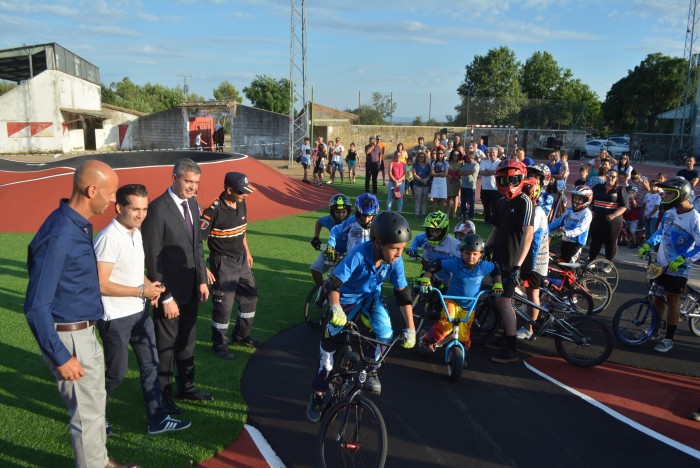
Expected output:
(351, 328)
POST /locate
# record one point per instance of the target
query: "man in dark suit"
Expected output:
(174, 257)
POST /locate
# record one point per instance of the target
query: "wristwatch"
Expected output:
(141, 290)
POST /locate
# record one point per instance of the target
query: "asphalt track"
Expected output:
(500, 415)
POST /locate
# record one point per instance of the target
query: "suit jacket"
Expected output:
(174, 254)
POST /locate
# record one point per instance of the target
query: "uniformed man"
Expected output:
(609, 204)
(224, 225)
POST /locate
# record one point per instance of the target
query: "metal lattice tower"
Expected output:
(683, 133)
(299, 111)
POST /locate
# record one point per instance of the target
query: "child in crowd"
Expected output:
(631, 217)
(652, 203)
(572, 226)
(320, 165)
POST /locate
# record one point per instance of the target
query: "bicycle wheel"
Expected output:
(455, 363)
(635, 322)
(315, 316)
(486, 320)
(352, 434)
(599, 289)
(584, 341)
(571, 301)
(605, 269)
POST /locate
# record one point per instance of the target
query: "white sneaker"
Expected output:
(523, 333)
(664, 345)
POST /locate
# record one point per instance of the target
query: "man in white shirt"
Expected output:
(337, 161)
(125, 289)
(489, 192)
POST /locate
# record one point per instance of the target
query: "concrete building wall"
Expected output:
(108, 136)
(260, 133)
(162, 130)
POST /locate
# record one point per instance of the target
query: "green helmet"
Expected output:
(436, 220)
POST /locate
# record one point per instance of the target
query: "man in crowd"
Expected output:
(174, 257)
(489, 192)
(125, 292)
(374, 157)
(63, 303)
(690, 173)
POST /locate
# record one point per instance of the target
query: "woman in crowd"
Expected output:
(421, 183)
(453, 182)
(438, 190)
(397, 182)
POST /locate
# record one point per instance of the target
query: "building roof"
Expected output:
(22, 63)
(324, 113)
(684, 112)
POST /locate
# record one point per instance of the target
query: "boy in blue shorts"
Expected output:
(339, 207)
(356, 287)
(466, 274)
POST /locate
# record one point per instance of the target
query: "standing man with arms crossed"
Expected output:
(174, 257)
(63, 303)
(374, 157)
(224, 226)
(124, 289)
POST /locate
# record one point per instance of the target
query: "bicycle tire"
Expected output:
(455, 363)
(590, 342)
(487, 320)
(635, 322)
(694, 325)
(571, 301)
(605, 269)
(364, 442)
(315, 316)
(599, 290)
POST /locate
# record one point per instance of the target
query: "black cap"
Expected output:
(237, 181)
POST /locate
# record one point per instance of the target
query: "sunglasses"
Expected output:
(611, 176)
(512, 181)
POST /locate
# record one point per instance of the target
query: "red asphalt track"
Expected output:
(653, 402)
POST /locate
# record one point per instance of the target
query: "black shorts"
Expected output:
(533, 280)
(672, 284)
(381, 166)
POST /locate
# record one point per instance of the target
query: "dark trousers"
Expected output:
(234, 283)
(371, 171)
(137, 330)
(467, 197)
(488, 200)
(176, 339)
(604, 232)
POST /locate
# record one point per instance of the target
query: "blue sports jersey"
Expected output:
(326, 222)
(361, 278)
(678, 235)
(347, 235)
(575, 224)
(464, 281)
(545, 201)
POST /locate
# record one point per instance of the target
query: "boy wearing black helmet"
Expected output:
(678, 238)
(355, 287)
(340, 208)
(466, 274)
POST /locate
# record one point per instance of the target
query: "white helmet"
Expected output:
(464, 228)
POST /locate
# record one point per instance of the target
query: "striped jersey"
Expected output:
(224, 227)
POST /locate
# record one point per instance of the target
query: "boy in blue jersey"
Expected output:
(436, 243)
(339, 207)
(354, 230)
(355, 287)
(466, 274)
(678, 238)
(572, 226)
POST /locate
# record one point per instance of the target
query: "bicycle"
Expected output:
(597, 267)
(455, 353)
(638, 156)
(636, 321)
(353, 431)
(563, 280)
(316, 308)
(625, 236)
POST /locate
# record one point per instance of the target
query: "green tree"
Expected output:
(541, 75)
(5, 86)
(383, 104)
(377, 112)
(227, 92)
(148, 98)
(267, 93)
(653, 87)
(491, 91)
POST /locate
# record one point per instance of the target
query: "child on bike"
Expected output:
(339, 207)
(436, 243)
(466, 274)
(543, 174)
(572, 226)
(678, 238)
(355, 287)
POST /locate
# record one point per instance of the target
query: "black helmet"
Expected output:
(390, 228)
(472, 243)
(680, 187)
(339, 202)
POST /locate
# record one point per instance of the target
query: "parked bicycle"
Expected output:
(562, 279)
(316, 308)
(625, 236)
(352, 431)
(681, 155)
(598, 267)
(638, 156)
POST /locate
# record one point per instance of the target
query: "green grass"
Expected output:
(33, 420)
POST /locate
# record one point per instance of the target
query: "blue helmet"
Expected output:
(366, 205)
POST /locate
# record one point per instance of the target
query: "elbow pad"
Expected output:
(403, 296)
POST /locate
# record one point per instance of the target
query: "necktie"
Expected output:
(188, 216)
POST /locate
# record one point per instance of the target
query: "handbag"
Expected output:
(397, 192)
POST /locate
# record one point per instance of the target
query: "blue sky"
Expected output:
(414, 49)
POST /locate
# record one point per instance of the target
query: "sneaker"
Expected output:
(168, 424)
(497, 344)
(224, 354)
(313, 408)
(425, 348)
(249, 342)
(664, 346)
(108, 427)
(506, 357)
(372, 384)
(695, 415)
(523, 333)
(607, 269)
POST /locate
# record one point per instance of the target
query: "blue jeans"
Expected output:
(467, 197)
(650, 226)
(390, 196)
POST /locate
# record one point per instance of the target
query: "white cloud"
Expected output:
(109, 30)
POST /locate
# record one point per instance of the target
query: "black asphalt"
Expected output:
(496, 415)
(120, 159)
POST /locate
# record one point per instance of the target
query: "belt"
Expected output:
(68, 327)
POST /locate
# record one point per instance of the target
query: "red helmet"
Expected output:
(581, 197)
(531, 188)
(510, 174)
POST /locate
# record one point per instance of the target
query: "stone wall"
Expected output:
(162, 130)
(260, 133)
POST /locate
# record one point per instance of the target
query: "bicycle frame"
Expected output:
(546, 327)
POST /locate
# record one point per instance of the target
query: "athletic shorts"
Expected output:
(672, 284)
(352, 162)
(305, 165)
(532, 281)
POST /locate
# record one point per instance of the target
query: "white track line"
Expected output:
(265, 450)
(660, 437)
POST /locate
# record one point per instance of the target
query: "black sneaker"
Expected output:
(108, 427)
(372, 384)
(168, 424)
(249, 342)
(506, 357)
(314, 407)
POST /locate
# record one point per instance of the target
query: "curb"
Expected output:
(250, 450)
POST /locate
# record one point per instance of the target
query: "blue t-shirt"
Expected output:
(423, 172)
(326, 222)
(362, 279)
(465, 282)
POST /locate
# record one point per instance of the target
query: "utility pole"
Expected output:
(298, 121)
(185, 88)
